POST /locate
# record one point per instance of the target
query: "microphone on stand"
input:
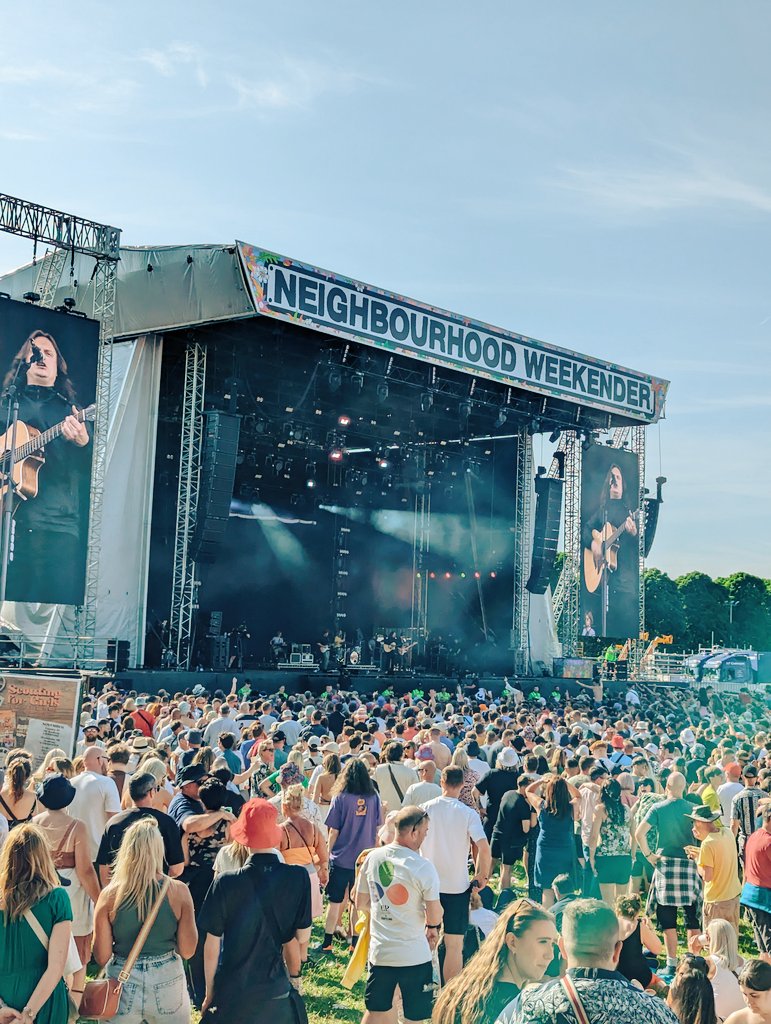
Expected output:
(37, 355)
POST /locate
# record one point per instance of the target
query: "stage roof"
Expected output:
(169, 288)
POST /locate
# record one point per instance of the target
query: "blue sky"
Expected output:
(595, 175)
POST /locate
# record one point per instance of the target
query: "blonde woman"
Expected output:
(31, 977)
(467, 794)
(156, 991)
(303, 843)
(518, 950)
(52, 755)
(321, 790)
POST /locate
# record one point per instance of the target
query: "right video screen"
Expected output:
(610, 567)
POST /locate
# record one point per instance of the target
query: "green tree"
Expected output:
(664, 611)
(751, 625)
(706, 609)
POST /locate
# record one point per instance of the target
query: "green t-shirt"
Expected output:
(673, 826)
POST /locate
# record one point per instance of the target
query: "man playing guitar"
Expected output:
(50, 528)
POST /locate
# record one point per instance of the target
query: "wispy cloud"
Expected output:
(632, 190)
(168, 60)
(295, 84)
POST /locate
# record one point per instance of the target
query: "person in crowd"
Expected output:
(640, 943)
(117, 768)
(223, 723)
(70, 849)
(393, 777)
(426, 788)
(718, 864)
(593, 989)
(516, 817)
(556, 805)
(756, 891)
(322, 785)
(468, 794)
(156, 990)
(724, 964)
(452, 830)
(755, 984)
(744, 808)
(713, 778)
(728, 790)
(354, 817)
(642, 869)
(610, 843)
(249, 919)
(500, 780)
(517, 952)
(17, 800)
(141, 790)
(32, 985)
(676, 883)
(96, 797)
(405, 917)
(690, 995)
(187, 809)
(303, 843)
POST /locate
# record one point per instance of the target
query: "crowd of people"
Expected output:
(481, 860)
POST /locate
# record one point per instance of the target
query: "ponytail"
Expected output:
(19, 771)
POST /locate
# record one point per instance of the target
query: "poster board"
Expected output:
(38, 712)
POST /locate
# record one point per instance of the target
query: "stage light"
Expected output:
(418, 575)
(493, 575)
(463, 575)
(357, 381)
(344, 421)
(555, 435)
(426, 401)
(477, 575)
(503, 415)
(383, 463)
(464, 411)
(310, 483)
(448, 575)
(382, 391)
(32, 296)
(335, 379)
(336, 455)
(432, 575)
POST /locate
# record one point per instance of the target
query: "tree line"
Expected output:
(733, 611)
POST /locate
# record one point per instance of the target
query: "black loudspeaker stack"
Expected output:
(548, 513)
(218, 471)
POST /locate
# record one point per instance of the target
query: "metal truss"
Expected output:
(341, 552)
(638, 447)
(61, 230)
(568, 591)
(421, 545)
(619, 437)
(49, 274)
(184, 589)
(520, 627)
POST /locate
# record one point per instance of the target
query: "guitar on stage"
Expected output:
(29, 455)
(407, 647)
(602, 557)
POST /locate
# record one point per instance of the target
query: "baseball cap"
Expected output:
(191, 773)
(257, 825)
(750, 771)
(314, 742)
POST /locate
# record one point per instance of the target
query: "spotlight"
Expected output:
(344, 421)
(357, 381)
(310, 483)
(503, 415)
(426, 401)
(477, 575)
(336, 455)
(448, 575)
(69, 303)
(493, 575)
(555, 435)
(464, 411)
(463, 575)
(383, 463)
(335, 379)
(31, 297)
(432, 575)
(382, 391)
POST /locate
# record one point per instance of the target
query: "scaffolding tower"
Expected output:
(520, 631)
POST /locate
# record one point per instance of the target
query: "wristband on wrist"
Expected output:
(435, 927)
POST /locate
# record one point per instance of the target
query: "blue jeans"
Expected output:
(156, 991)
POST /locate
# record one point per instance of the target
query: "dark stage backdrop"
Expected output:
(51, 525)
(610, 489)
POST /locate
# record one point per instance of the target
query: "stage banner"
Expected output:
(49, 358)
(310, 297)
(610, 519)
(38, 713)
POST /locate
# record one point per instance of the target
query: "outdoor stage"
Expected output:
(307, 452)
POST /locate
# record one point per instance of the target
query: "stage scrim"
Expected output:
(52, 504)
(610, 569)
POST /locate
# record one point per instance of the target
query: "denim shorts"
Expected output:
(155, 992)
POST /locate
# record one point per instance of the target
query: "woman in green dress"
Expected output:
(31, 977)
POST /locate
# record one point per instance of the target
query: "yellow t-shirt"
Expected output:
(710, 798)
(718, 851)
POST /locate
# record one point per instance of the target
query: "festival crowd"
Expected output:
(480, 860)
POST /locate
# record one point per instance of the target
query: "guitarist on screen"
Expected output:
(616, 565)
(50, 538)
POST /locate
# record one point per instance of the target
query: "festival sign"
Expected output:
(38, 713)
(310, 297)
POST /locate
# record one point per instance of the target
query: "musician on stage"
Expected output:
(51, 529)
(278, 646)
(324, 645)
(617, 507)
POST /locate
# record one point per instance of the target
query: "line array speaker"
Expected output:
(218, 472)
(548, 514)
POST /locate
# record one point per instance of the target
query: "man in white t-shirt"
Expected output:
(454, 827)
(426, 788)
(400, 890)
(96, 797)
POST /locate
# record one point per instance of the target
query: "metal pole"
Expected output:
(9, 467)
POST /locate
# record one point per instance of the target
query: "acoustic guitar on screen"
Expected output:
(29, 454)
(609, 538)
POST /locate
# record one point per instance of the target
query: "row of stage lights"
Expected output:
(460, 575)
